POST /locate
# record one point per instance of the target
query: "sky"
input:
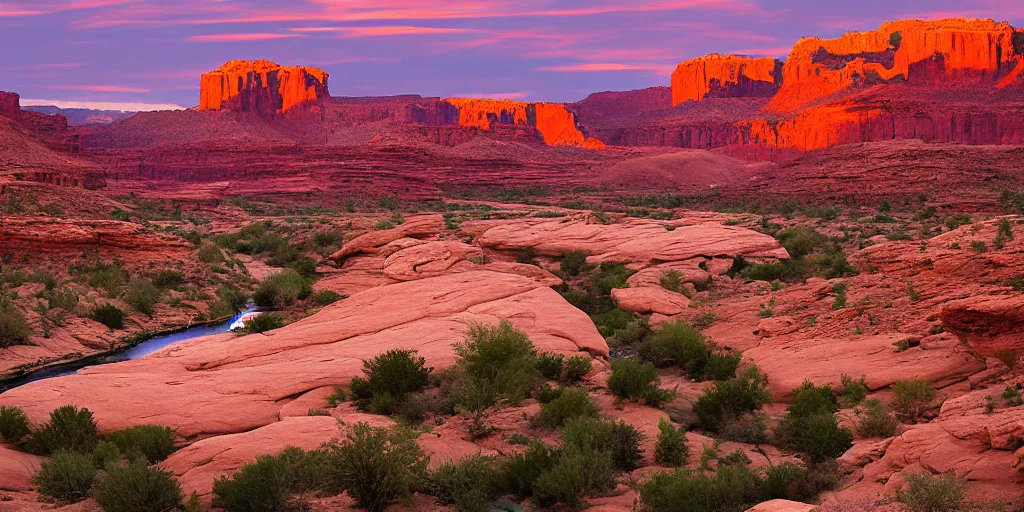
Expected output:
(149, 54)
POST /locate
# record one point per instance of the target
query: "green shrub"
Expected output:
(854, 391)
(232, 297)
(573, 477)
(377, 466)
(730, 488)
(670, 448)
(269, 483)
(546, 394)
(108, 277)
(69, 429)
(818, 435)
(325, 238)
(14, 330)
(732, 398)
(168, 278)
(550, 365)
(326, 297)
(678, 343)
(635, 380)
(876, 420)
(106, 453)
(809, 400)
(137, 487)
(801, 241)
(577, 367)
(619, 439)
(574, 263)
(152, 442)
(142, 296)
(62, 298)
(68, 476)
(264, 322)
(609, 275)
(468, 484)
(14, 425)
(571, 403)
(780, 270)
(609, 322)
(671, 280)
(109, 315)
(282, 290)
(500, 359)
(1011, 395)
(750, 428)
(911, 398)
(389, 379)
(929, 493)
(519, 471)
(797, 483)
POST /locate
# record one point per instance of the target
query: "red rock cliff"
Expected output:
(951, 52)
(556, 124)
(725, 76)
(10, 105)
(261, 86)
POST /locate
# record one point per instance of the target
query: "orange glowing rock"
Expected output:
(725, 76)
(970, 51)
(261, 86)
(556, 124)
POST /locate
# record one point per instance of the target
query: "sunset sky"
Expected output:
(153, 51)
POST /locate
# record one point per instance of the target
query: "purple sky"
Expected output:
(153, 51)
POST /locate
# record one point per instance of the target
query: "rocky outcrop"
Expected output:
(261, 87)
(24, 235)
(10, 105)
(953, 51)
(725, 76)
(554, 122)
(989, 324)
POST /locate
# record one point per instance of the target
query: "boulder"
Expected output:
(782, 506)
(651, 300)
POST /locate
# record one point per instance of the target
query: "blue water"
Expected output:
(138, 351)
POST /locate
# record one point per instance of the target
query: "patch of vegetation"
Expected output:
(571, 403)
(14, 425)
(575, 475)
(137, 487)
(810, 425)
(680, 344)
(876, 420)
(389, 380)
(210, 254)
(14, 329)
(142, 295)
(69, 429)
(617, 438)
(376, 466)
(326, 297)
(151, 442)
(282, 290)
(499, 363)
(670, 449)
(635, 380)
(929, 493)
(574, 263)
(264, 322)
(743, 394)
(167, 279)
(671, 280)
(577, 367)
(912, 398)
(550, 365)
(468, 485)
(67, 477)
(853, 391)
(272, 482)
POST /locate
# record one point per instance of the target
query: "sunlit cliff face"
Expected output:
(261, 86)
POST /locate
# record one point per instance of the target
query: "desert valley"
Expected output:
(776, 285)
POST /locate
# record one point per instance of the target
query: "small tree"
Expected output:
(670, 448)
(377, 466)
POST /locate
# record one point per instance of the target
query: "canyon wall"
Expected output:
(725, 76)
(555, 123)
(10, 106)
(949, 52)
(261, 87)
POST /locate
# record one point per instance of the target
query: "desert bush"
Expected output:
(142, 295)
(109, 315)
(69, 429)
(152, 442)
(817, 435)
(377, 466)
(231, 296)
(67, 477)
(575, 475)
(550, 365)
(853, 391)
(389, 379)
(264, 322)
(635, 380)
(326, 297)
(911, 398)
(751, 428)
(577, 367)
(928, 493)
(14, 425)
(271, 482)
(545, 394)
(571, 403)
(619, 439)
(609, 322)
(574, 263)
(106, 453)
(14, 330)
(670, 449)
(798, 483)
(1011, 395)
(500, 358)
(671, 280)
(780, 270)
(168, 278)
(744, 394)
(801, 241)
(62, 298)
(281, 290)
(678, 343)
(325, 238)
(519, 471)
(809, 400)
(876, 420)
(468, 484)
(108, 277)
(137, 487)
(209, 253)
(608, 276)
(730, 488)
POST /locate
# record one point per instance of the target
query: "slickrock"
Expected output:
(414, 227)
(725, 76)
(782, 506)
(990, 324)
(46, 234)
(638, 242)
(427, 259)
(653, 299)
(261, 87)
(17, 469)
(188, 385)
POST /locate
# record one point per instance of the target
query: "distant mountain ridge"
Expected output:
(82, 116)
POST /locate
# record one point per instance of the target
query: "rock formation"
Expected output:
(10, 105)
(725, 76)
(261, 86)
(556, 124)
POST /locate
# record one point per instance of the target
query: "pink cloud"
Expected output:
(605, 66)
(96, 88)
(383, 31)
(40, 8)
(235, 38)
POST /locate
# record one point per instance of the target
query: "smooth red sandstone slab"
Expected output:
(782, 506)
(637, 242)
(189, 385)
(651, 300)
(47, 234)
(427, 259)
(415, 227)
(17, 469)
(789, 360)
